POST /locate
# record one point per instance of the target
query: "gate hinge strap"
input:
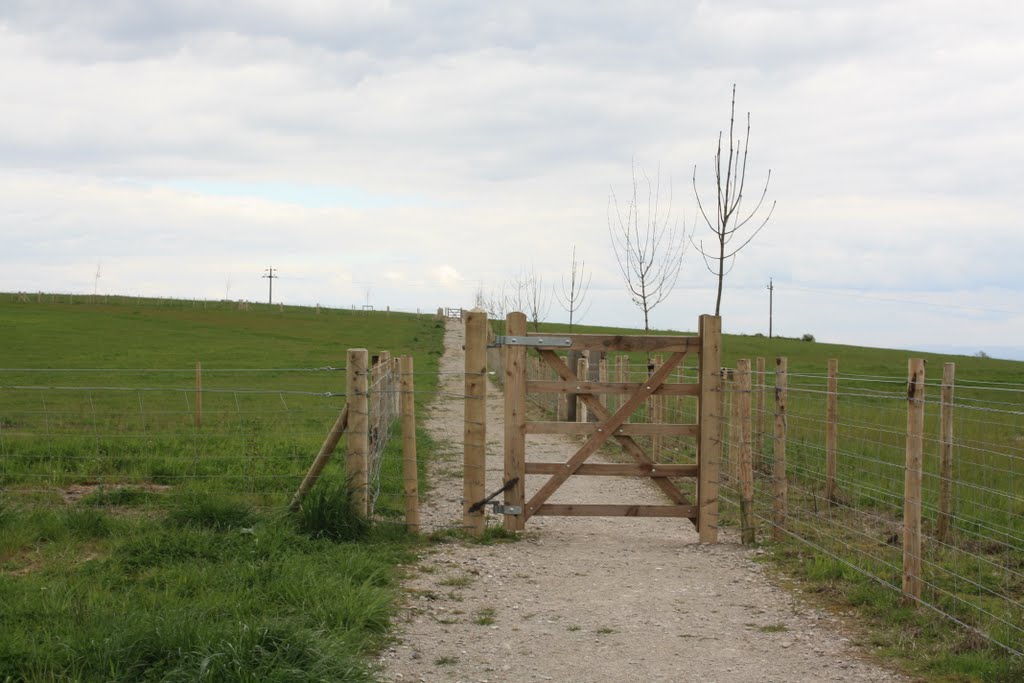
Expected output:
(543, 342)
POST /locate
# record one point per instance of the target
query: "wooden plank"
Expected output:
(616, 469)
(515, 420)
(474, 430)
(628, 429)
(759, 412)
(912, 580)
(610, 424)
(709, 448)
(556, 387)
(627, 342)
(570, 510)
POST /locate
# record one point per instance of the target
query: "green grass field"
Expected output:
(135, 545)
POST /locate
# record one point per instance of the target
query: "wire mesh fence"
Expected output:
(849, 497)
(67, 434)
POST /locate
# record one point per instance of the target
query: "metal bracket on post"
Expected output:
(542, 342)
(504, 509)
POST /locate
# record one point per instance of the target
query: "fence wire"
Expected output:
(849, 517)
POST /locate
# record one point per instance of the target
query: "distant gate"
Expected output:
(613, 425)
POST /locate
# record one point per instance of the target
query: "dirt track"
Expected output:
(595, 600)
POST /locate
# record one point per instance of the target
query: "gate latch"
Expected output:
(497, 507)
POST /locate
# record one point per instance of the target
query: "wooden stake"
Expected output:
(912, 481)
(945, 520)
(515, 421)
(356, 461)
(321, 460)
(410, 473)
(832, 430)
(732, 476)
(779, 485)
(199, 394)
(474, 453)
(759, 413)
(710, 442)
(748, 531)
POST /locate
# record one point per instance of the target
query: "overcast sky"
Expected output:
(407, 154)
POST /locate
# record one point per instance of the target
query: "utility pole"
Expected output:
(771, 294)
(270, 278)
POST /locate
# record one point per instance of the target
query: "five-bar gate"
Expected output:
(613, 425)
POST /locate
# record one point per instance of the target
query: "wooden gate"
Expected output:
(614, 424)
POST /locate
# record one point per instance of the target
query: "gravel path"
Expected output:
(596, 600)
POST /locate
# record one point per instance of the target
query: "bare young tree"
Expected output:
(730, 181)
(647, 243)
(572, 295)
(526, 293)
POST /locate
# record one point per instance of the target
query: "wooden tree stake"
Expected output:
(710, 440)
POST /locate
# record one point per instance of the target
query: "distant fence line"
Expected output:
(220, 431)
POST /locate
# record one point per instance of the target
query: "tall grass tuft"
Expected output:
(328, 512)
(212, 512)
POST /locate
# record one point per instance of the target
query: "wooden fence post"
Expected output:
(410, 472)
(199, 394)
(779, 485)
(912, 480)
(515, 421)
(710, 439)
(758, 431)
(474, 439)
(945, 519)
(742, 396)
(356, 461)
(832, 430)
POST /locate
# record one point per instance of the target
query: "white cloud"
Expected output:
(367, 142)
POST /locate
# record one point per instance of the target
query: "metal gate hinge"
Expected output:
(502, 509)
(557, 342)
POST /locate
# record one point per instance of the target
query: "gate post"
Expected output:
(515, 421)
(474, 437)
(709, 451)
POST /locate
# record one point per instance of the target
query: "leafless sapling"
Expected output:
(730, 182)
(572, 295)
(647, 242)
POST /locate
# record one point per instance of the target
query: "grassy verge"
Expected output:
(135, 545)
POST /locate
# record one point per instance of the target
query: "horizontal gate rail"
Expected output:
(617, 469)
(566, 510)
(556, 387)
(628, 429)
